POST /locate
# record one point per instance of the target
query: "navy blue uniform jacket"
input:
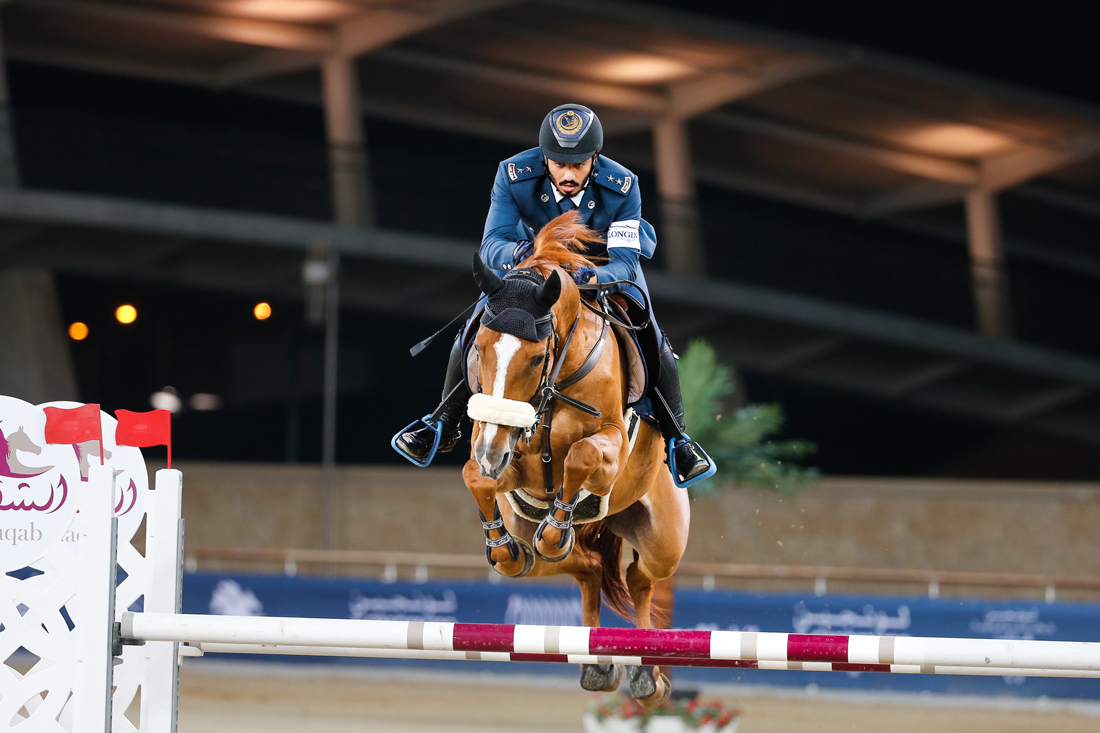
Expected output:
(523, 202)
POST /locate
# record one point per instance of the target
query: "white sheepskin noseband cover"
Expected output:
(500, 411)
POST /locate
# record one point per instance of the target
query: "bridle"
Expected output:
(550, 388)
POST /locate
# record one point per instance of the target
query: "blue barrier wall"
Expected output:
(529, 602)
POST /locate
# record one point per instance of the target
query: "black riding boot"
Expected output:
(417, 440)
(691, 462)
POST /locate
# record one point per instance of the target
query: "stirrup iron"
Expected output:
(436, 428)
(672, 444)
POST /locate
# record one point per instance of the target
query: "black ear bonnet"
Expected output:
(517, 307)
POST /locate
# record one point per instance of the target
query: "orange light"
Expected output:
(78, 331)
(262, 311)
(126, 314)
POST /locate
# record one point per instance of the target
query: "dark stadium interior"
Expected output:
(158, 141)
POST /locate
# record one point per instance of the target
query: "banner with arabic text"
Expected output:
(532, 602)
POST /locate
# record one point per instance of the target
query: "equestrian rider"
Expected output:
(567, 172)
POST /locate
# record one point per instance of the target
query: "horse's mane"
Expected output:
(563, 243)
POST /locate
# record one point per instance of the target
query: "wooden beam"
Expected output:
(376, 28)
(265, 33)
(1017, 166)
(932, 167)
(37, 53)
(597, 93)
(706, 92)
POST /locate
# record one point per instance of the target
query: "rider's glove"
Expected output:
(583, 274)
(524, 249)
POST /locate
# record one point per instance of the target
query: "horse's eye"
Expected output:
(537, 360)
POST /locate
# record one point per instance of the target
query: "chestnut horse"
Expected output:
(589, 450)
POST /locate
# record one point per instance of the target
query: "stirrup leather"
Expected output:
(672, 444)
(437, 430)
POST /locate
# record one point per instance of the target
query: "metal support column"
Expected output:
(9, 162)
(322, 279)
(988, 277)
(348, 166)
(35, 363)
(680, 238)
(328, 429)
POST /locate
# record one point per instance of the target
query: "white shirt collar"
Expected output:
(575, 198)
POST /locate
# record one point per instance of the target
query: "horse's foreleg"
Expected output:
(593, 464)
(595, 677)
(509, 555)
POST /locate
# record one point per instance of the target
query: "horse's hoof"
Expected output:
(602, 677)
(648, 690)
(568, 548)
(526, 554)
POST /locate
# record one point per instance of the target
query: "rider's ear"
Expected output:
(487, 280)
(550, 290)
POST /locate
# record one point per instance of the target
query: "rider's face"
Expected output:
(569, 177)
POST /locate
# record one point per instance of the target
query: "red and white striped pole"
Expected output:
(768, 650)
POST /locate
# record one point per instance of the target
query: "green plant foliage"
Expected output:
(742, 442)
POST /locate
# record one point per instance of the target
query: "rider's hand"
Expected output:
(524, 249)
(583, 275)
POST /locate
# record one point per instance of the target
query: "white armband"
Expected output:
(624, 234)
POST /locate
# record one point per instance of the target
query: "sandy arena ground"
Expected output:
(245, 697)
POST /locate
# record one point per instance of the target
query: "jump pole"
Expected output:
(421, 654)
(770, 650)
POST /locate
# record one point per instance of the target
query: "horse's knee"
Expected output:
(584, 457)
(590, 464)
(471, 474)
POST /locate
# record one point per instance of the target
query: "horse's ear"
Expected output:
(487, 280)
(549, 292)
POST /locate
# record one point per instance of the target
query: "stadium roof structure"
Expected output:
(819, 124)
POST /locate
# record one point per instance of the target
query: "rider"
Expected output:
(567, 172)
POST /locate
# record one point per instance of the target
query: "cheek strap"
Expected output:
(500, 411)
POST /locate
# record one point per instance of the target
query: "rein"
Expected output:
(551, 390)
(604, 314)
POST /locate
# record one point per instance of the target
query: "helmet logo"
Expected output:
(569, 126)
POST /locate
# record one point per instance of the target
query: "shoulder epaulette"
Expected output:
(614, 176)
(525, 166)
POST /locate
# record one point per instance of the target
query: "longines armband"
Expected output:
(624, 234)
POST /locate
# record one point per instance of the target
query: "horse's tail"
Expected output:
(609, 546)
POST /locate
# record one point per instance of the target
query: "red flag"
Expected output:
(74, 425)
(145, 429)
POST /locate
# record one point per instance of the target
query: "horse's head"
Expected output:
(517, 336)
(514, 346)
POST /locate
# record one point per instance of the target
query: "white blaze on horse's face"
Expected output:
(505, 375)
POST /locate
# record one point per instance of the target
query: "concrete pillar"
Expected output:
(680, 238)
(348, 165)
(9, 163)
(35, 364)
(987, 269)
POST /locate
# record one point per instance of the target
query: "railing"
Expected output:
(708, 573)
